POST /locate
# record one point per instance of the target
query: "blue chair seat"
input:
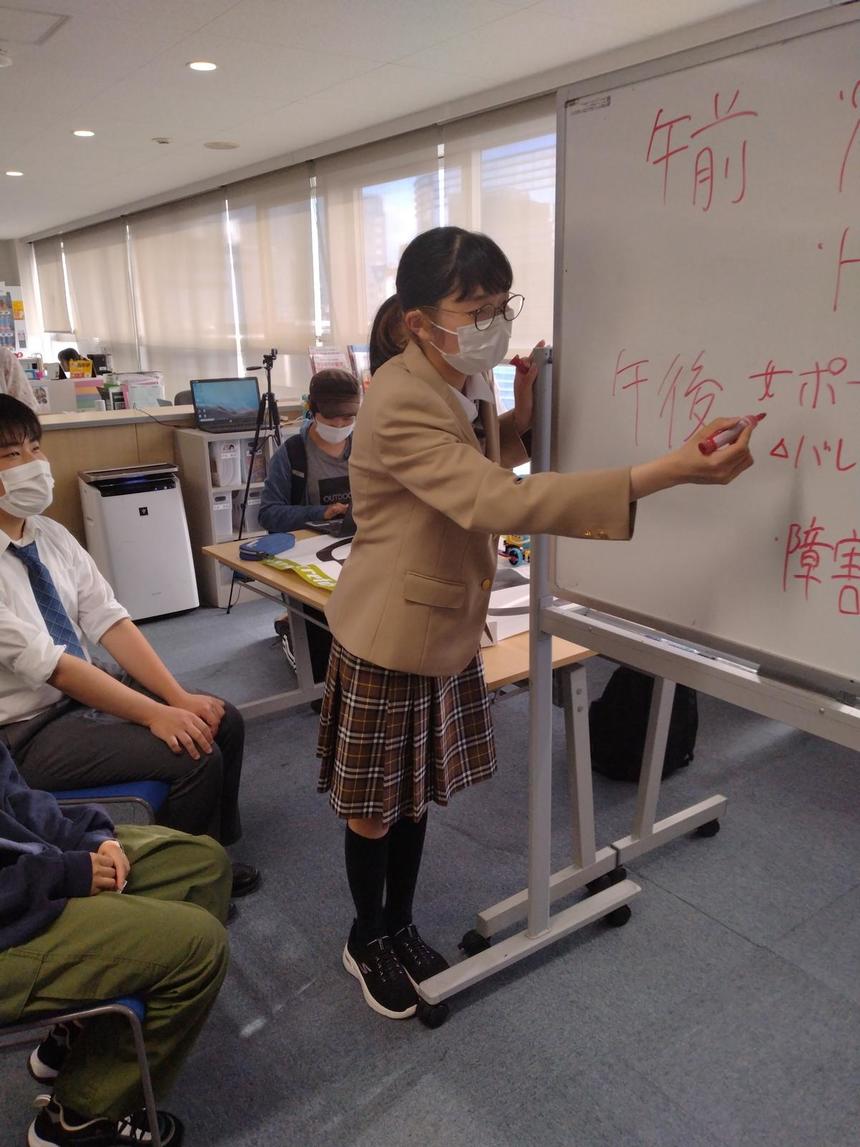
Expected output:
(149, 794)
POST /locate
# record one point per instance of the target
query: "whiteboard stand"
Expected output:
(609, 900)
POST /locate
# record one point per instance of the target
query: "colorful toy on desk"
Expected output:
(517, 548)
(266, 547)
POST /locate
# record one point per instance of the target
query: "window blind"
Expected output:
(183, 291)
(97, 270)
(270, 231)
(52, 287)
(371, 201)
(500, 179)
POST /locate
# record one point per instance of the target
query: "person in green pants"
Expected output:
(89, 912)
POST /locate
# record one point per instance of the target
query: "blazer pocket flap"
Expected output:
(426, 590)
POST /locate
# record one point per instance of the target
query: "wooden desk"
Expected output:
(504, 663)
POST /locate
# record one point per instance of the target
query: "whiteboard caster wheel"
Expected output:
(617, 875)
(618, 917)
(710, 828)
(432, 1015)
(473, 943)
(600, 884)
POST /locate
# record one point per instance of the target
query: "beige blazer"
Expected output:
(429, 505)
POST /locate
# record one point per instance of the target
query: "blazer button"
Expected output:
(602, 534)
(487, 583)
(587, 534)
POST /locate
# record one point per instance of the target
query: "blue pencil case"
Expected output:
(266, 547)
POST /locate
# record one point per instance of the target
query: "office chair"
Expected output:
(183, 398)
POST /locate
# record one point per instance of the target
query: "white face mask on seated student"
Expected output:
(29, 489)
(333, 434)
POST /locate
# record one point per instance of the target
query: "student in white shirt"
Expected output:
(70, 724)
(13, 380)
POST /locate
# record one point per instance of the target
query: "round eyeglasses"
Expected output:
(483, 316)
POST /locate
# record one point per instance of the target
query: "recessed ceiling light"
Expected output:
(83, 133)
(202, 66)
(14, 172)
(220, 145)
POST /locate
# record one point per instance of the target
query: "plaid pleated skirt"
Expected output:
(391, 742)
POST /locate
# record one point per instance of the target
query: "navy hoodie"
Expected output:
(44, 855)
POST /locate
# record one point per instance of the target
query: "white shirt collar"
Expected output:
(31, 530)
(476, 389)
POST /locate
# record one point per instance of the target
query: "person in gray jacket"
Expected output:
(308, 481)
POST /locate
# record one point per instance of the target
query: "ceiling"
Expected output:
(291, 75)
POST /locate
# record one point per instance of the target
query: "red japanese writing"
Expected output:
(718, 159)
(816, 383)
(810, 560)
(686, 393)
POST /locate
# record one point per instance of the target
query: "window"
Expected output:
(370, 201)
(183, 291)
(500, 179)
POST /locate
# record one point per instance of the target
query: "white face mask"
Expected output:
(334, 434)
(479, 350)
(29, 489)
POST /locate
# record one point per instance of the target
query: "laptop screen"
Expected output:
(225, 403)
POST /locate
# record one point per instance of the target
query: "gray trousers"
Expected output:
(70, 747)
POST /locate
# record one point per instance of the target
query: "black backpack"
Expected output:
(618, 721)
(298, 456)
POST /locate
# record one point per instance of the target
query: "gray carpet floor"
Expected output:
(727, 1012)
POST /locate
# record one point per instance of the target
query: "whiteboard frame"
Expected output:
(779, 33)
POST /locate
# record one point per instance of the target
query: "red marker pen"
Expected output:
(726, 437)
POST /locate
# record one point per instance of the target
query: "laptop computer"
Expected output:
(337, 527)
(225, 404)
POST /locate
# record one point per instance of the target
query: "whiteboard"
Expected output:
(709, 231)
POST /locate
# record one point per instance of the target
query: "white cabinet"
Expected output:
(213, 469)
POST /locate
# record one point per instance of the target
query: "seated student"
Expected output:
(308, 480)
(70, 724)
(64, 358)
(13, 380)
(68, 939)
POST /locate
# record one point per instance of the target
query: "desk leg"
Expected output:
(306, 689)
(647, 834)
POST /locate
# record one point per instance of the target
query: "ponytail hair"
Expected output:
(388, 335)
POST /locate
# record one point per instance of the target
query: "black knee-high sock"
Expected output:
(366, 865)
(405, 846)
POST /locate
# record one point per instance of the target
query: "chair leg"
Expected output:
(145, 1077)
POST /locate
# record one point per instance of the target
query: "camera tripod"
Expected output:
(268, 425)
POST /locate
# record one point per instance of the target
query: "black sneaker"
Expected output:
(54, 1127)
(418, 959)
(246, 879)
(46, 1060)
(384, 984)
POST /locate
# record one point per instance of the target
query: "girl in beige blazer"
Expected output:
(405, 718)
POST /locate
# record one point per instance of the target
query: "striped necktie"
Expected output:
(57, 621)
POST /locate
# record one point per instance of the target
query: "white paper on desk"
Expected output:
(510, 594)
(304, 551)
